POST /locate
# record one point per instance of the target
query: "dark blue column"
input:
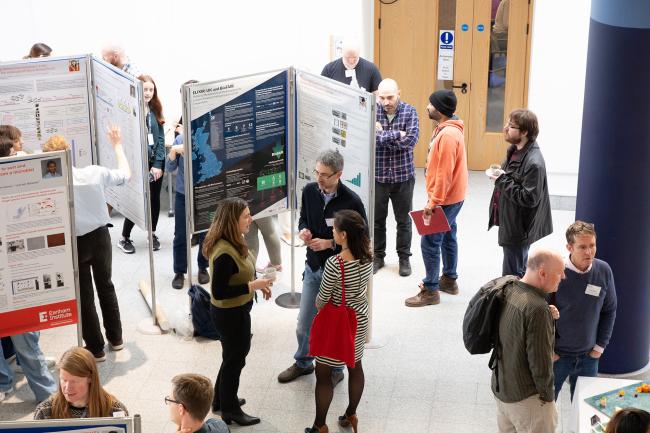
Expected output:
(614, 176)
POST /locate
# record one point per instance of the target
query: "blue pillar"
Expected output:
(614, 176)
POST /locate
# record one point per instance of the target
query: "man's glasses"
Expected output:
(323, 175)
(169, 401)
(511, 126)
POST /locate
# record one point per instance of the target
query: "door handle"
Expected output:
(462, 87)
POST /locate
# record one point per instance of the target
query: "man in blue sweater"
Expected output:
(586, 300)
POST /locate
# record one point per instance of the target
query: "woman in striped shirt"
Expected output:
(351, 233)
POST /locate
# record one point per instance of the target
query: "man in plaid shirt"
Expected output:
(397, 132)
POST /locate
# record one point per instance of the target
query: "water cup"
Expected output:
(270, 273)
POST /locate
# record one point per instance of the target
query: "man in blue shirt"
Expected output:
(397, 132)
(586, 300)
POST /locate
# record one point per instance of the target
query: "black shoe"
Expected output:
(178, 281)
(156, 242)
(126, 245)
(216, 406)
(404, 267)
(195, 240)
(377, 264)
(204, 276)
(337, 377)
(294, 372)
(99, 356)
(242, 418)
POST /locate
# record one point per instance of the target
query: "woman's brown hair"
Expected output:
(10, 131)
(225, 225)
(81, 363)
(629, 420)
(154, 105)
(356, 229)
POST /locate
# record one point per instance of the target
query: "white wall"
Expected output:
(556, 86)
(174, 40)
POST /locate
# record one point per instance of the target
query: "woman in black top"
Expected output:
(233, 286)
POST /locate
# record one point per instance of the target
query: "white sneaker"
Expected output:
(49, 361)
(5, 394)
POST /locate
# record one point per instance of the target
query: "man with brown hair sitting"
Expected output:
(189, 403)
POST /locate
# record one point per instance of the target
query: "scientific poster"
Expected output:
(334, 116)
(45, 97)
(37, 286)
(239, 144)
(72, 425)
(117, 102)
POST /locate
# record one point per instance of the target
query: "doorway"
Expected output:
(488, 72)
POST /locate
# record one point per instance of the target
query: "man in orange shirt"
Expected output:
(446, 184)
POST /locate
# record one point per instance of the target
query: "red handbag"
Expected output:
(334, 329)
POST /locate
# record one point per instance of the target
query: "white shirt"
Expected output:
(90, 211)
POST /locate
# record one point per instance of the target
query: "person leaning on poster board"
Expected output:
(94, 248)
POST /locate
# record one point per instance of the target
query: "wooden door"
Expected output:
(492, 63)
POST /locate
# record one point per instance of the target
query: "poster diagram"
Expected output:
(117, 103)
(48, 97)
(332, 116)
(37, 286)
(239, 143)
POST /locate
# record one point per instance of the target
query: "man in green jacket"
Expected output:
(523, 386)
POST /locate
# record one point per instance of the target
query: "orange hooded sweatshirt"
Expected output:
(446, 175)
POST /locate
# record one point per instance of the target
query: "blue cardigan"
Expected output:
(585, 320)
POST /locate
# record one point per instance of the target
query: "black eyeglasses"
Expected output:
(511, 126)
(323, 175)
(169, 400)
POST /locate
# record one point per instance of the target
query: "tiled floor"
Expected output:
(419, 379)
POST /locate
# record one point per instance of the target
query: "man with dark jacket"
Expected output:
(520, 205)
(353, 70)
(320, 201)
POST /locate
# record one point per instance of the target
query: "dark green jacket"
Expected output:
(157, 151)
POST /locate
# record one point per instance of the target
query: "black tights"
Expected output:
(325, 390)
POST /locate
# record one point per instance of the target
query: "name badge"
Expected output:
(119, 414)
(350, 73)
(329, 222)
(150, 139)
(592, 290)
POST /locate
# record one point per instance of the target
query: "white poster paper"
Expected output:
(46, 97)
(334, 116)
(117, 102)
(37, 286)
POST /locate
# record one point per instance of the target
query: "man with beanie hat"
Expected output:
(397, 133)
(446, 183)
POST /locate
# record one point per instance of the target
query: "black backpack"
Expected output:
(481, 321)
(200, 309)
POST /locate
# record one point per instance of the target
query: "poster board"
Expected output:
(37, 243)
(238, 133)
(118, 100)
(332, 115)
(76, 425)
(49, 96)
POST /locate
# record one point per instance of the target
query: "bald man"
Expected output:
(525, 396)
(353, 70)
(397, 132)
(115, 55)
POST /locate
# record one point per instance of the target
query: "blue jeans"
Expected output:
(180, 239)
(33, 364)
(573, 366)
(310, 286)
(446, 242)
(514, 260)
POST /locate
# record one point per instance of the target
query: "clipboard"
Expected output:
(438, 223)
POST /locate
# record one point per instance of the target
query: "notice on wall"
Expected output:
(117, 102)
(239, 144)
(37, 286)
(46, 97)
(446, 44)
(338, 117)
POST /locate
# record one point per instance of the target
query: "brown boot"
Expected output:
(448, 285)
(424, 298)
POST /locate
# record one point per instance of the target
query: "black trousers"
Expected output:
(401, 194)
(95, 253)
(154, 188)
(234, 325)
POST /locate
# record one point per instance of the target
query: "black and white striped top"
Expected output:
(357, 276)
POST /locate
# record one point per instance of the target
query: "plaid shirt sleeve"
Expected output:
(394, 154)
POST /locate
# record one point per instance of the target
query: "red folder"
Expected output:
(438, 223)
